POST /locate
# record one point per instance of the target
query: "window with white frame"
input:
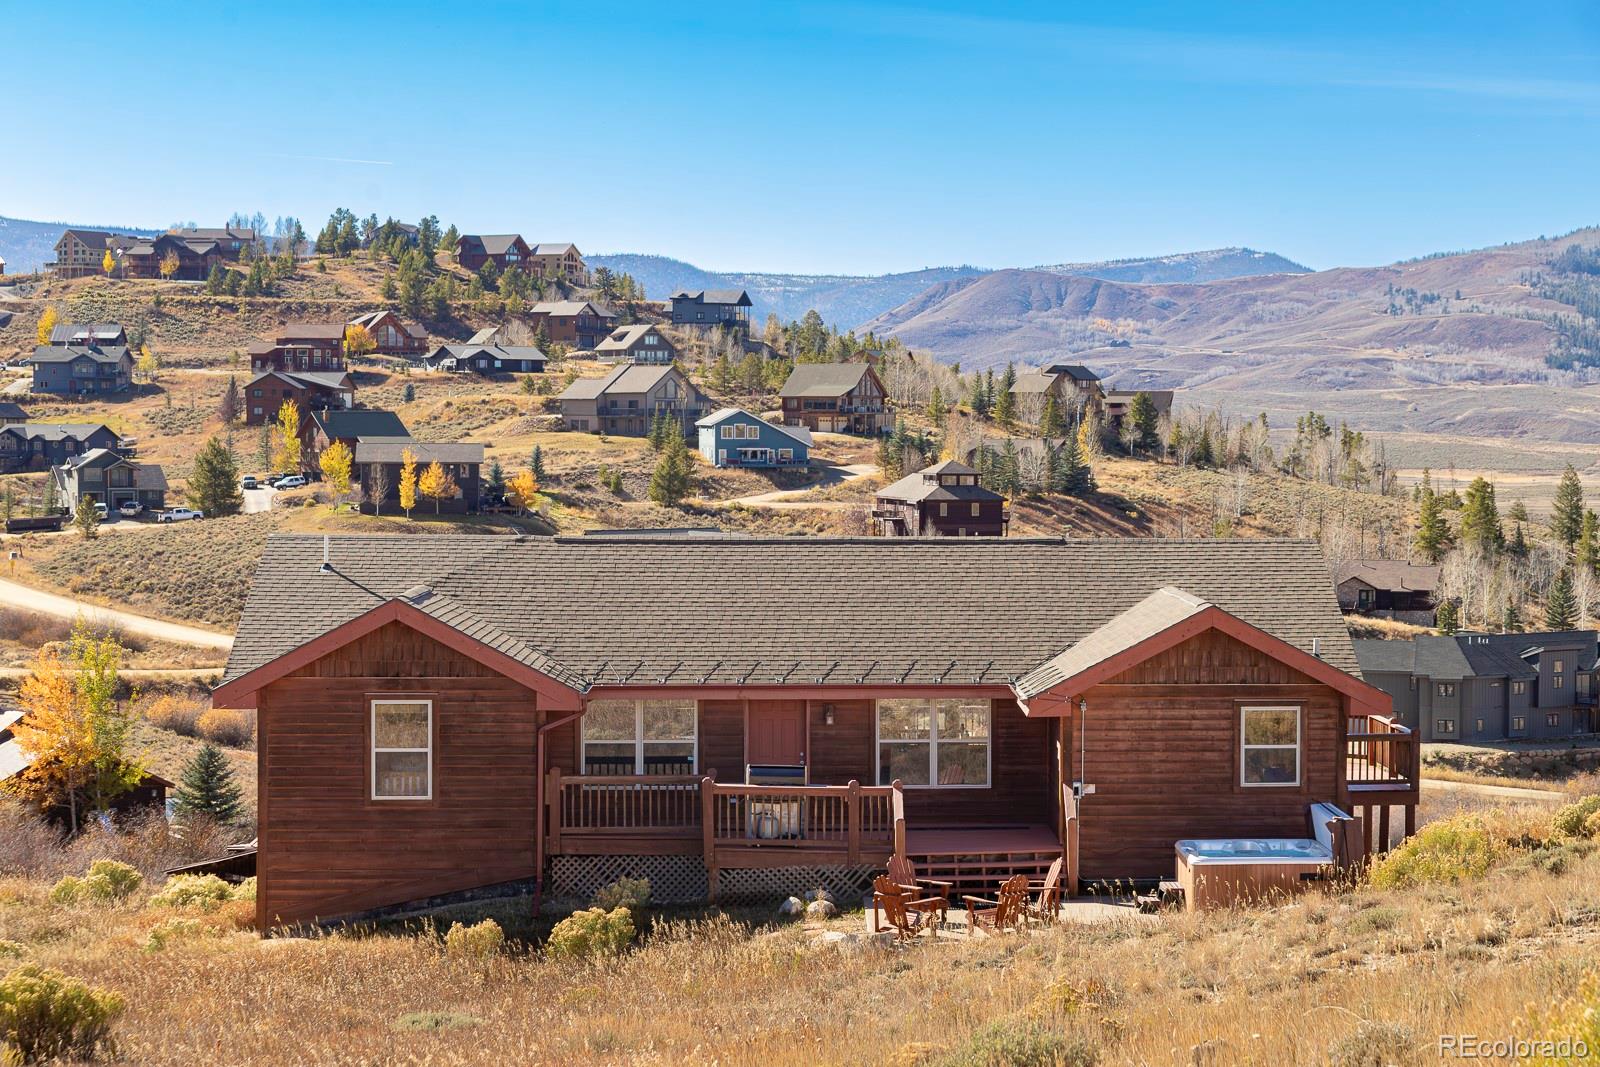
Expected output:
(1269, 746)
(934, 743)
(639, 737)
(402, 750)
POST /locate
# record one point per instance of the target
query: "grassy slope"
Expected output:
(1250, 986)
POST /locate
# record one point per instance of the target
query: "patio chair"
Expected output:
(907, 914)
(904, 872)
(1046, 903)
(1006, 913)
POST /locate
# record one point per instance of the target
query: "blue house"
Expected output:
(732, 437)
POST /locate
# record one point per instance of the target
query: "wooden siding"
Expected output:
(1161, 750)
(328, 849)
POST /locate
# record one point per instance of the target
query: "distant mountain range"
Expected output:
(26, 246)
(848, 300)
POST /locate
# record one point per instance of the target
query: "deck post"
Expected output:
(853, 823)
(708, 820)
(897, 811)
(552, 811)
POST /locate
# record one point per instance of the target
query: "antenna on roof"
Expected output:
(327, 567)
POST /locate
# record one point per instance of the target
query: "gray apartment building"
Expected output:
(1487, 687)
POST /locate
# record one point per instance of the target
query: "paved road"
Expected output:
(794, 499)
(1510, 792)
(30, 599)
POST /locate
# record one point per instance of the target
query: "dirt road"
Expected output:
(29, 599)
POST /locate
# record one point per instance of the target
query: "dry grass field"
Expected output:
(1347, 976)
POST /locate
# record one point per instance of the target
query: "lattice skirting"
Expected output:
(682, 879)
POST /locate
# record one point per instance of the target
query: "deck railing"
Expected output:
(1380, 752)
(826, 818)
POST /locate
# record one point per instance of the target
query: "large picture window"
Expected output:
(639, 737)
(402, 750)
(1269, 746)
(934, 743)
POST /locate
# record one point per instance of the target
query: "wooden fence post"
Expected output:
(853, 822)
(552, 811)
(897, 812)
(708, 819)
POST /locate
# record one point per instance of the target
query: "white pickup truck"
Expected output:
(179, 515)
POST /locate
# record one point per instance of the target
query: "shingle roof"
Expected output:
(310, 331)
(145, 475)
(389, 450)
(68, 353)
(624, 337)
(1387, 657)
(10, 412)
(1076, 371)
(1156, 613)
(1033, 383)
(563, 308)
(82, 333)
(823, 379)
(1395, 575)
(54, 431)
(361, 422)
(714, 296)
(492, 244)
(549, 248)
(371, 319)
(697, 610)
(455, 615)
(925, 485)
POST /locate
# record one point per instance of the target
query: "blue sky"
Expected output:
(855, 138)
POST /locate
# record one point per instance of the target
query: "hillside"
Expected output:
(1209, 266)
(27, 246)
(1407, 347)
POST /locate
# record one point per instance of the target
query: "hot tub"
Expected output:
(1220, 872)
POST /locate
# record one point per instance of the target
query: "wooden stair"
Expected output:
(982, 872)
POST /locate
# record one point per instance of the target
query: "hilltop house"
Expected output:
(82, 253)
(1388, 589)
(324, 426)
(36, 446)
(88, 334)
(173, 257)
(109, 479)
(944, 500)
(442, 715)
(733, 437)
(76, 370)
(300, 346)
(461, 460)
(267, 392)
(576, 323)
(1487, 687)
(558, 261)
(711, 307)
(639, 343)
(504, 250)
(630, 398)
(486, 359)
(836, 398)
(394, 336)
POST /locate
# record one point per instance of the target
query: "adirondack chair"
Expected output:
(904, 872)
(1009, 911)
(907, 914)
(1046, 903)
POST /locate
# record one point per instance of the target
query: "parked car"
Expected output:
(130, 509)
(179, 515)
(100, 509)
(294, 481)
(249, 482)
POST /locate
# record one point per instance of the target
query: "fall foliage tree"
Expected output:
(108, 262)
(436, 484)
(47, 323)
(335, 463)
(74, 731)
(523, 491)
(286, 451)
(149, 364)
(170, 265)
(232, 403)
(358, 341)
(408, 481)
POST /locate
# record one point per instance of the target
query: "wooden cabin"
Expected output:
(441, 715)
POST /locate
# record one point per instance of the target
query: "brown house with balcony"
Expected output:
(836, 398)
(394, 335)
(504, 250)
(267, 392)
(82, 253)
(548, 713)
(627, 401)
(1388, 589)
(558, 260)
(575, 323)
(301, 346)
(944, 500)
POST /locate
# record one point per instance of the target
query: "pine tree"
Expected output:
(86, 520)
(1005, 405)
(229, 408)
(536, 463)
(214, 482)
(1519, 544)
(722, 374)
(669, 483)
(988, 390)
(1448, 618)
(1050, 424)
(1142, 414)
(495, 484)
(1511, 621)
(1518, 511)
(1069, 472)
(410, 392)
(975, 399)
(1433, 533)
(936, 407)
(1561, 605)
(1566, 520)
(207, 788)
(1010, 468)
(1586, 554)
(1480, 519)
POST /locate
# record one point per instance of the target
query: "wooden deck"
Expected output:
(978, 858)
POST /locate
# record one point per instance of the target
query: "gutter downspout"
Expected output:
(539, 815)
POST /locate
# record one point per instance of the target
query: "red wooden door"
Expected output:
(776, 732)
